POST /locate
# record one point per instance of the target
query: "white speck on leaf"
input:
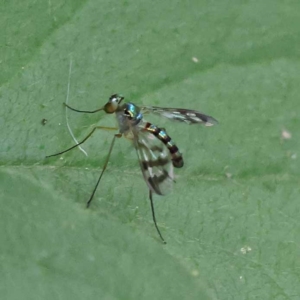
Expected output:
(245, 249)
(286, 135)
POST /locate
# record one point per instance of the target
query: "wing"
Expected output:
(155, 161)
(180, 114)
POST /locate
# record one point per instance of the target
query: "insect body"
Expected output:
(157, 153)
(176, 156)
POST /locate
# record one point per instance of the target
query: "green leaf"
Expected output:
(231, 223)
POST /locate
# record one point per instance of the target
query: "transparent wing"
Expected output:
(180, 114)
(155, 161)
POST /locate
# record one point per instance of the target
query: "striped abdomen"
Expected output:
(177, 159)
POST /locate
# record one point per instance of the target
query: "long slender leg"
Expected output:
(89, 135)
(83, 111)
(153, 216)
(118, 135)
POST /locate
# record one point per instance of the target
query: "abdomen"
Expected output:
(176, 156)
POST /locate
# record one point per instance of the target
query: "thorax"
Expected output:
(128, 117)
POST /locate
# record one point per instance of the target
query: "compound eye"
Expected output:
(113, 98)
(116, 98)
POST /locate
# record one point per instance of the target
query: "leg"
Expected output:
(118, 135)
(153, 216)
(88, 136)
(83, 111)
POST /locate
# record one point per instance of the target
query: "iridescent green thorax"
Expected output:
(132, 111)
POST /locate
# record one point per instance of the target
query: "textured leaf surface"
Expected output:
(232, 221)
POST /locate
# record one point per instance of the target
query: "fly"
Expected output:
(156, 151)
